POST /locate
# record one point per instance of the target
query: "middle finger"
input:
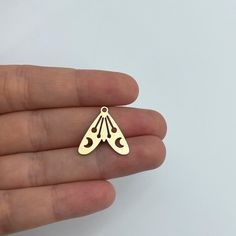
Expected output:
(41, 130)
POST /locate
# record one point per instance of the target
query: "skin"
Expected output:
(44, 113)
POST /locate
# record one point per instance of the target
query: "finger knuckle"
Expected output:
(56, 200)
(38, 130)
(6, 90)
(24, 75)
(15, 87)
(37, 172)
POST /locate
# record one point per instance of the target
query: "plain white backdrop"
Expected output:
(183, 55)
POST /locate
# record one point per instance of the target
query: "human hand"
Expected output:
(44, 113)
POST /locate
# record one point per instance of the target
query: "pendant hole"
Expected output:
(104, 109)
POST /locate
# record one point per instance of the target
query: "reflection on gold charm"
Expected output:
(104, 128)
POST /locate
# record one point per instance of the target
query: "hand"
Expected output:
(44, 113)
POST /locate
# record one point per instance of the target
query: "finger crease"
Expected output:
(6, 91)
(37, 174)
(56, 213)
(6, 215)
(27, 98)
(77, 88)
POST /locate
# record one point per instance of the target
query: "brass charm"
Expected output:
(103, 128)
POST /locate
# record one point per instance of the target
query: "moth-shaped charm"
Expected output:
(103, 128)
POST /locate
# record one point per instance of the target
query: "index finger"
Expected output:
(34, 87)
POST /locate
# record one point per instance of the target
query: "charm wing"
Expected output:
(92, 138)
(116, 139)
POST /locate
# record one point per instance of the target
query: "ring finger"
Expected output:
(65, 165)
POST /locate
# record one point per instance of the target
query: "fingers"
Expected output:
(27, 208)
(34, 87)
(61, 128)
(65, 165)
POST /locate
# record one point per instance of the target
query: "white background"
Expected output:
(183, 54)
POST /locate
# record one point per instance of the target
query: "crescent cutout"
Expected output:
(90, 142)
(118, 144)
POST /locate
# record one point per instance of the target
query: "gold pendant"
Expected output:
(103, 128)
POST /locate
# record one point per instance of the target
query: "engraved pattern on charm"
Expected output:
(103, 128)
